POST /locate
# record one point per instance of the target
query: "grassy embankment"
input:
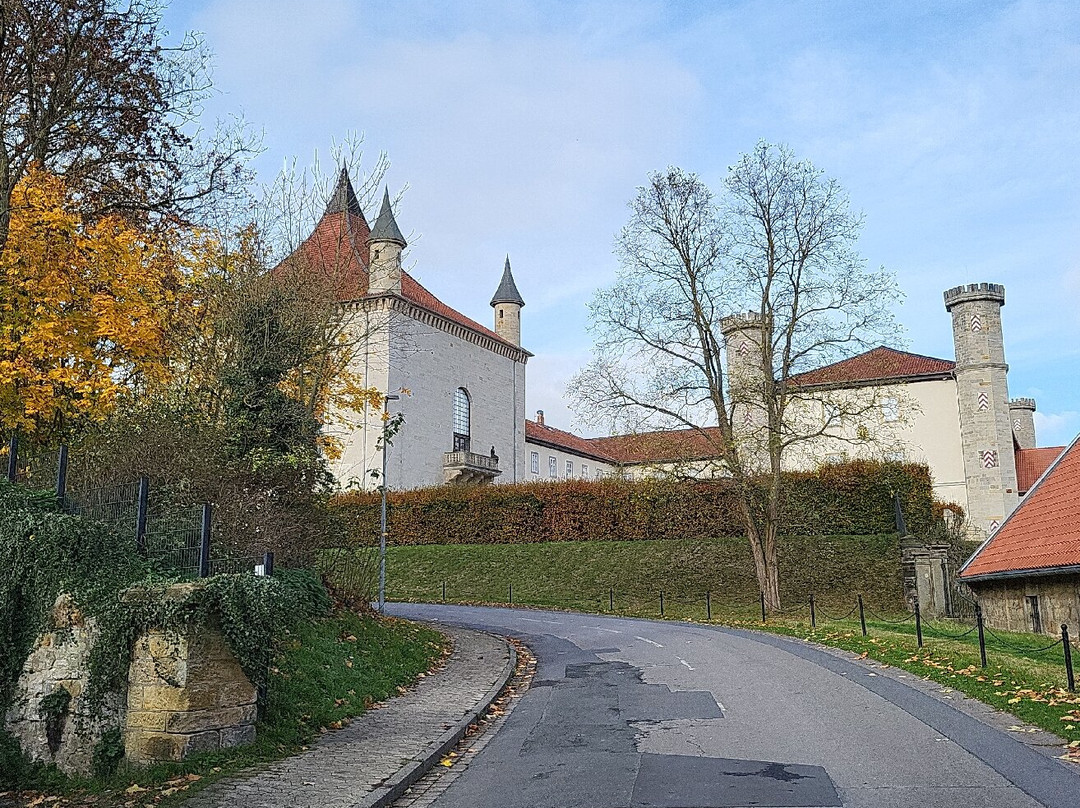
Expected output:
(578, 575)
(330, 671)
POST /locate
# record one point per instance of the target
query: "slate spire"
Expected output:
(507, 291)
(343, 199)
(386, 228)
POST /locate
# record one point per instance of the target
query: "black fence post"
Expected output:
(862, 616)
(762, 607)
(268, 563)
(511, 593)
(708, 605)
(918, 625)
(1069, 676)
(204, 541)
(140, 514)
(661, 602)
(813, 612)
(611, 599)
(444, 591)
(61, 477)
(982, 638)
(13, 458)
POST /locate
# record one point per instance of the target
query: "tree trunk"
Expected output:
(763, 547)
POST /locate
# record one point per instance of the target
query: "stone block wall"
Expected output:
(60, 660)
(1006, 604)
(186, 694)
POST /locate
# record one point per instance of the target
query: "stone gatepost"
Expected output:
(925, 576)
(186, 694)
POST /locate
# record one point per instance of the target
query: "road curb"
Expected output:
(406, 777)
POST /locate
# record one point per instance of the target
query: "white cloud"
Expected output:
(1057, 428)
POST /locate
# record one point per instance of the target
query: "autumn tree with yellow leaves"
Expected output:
(86, 308)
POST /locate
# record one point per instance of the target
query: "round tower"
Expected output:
(508, 303)
(744, 336)
(1022, 416)
(986, 433)
(385, 244)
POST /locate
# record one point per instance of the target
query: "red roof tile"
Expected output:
(1031, 463)
(663, 445)
(557, 438)
(878, 364)
(338, 248)
(1043, 532)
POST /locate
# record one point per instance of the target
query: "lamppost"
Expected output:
(382, 532)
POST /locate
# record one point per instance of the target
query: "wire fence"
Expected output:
(175, 538)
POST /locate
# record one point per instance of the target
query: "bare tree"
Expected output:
(88, 90)
(771, 264)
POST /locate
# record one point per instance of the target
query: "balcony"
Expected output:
(469, 468)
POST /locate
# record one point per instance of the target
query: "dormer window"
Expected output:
(461, 420)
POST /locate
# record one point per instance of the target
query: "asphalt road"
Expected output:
(634, 714)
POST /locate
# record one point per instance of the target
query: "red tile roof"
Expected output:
(1031, 463)
(338, 248)
(1043, 533)
(878, 364)
(663, 445)
(557, 438)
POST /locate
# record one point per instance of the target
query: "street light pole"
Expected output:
(382, 532)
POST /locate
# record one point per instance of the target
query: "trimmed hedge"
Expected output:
(852, 498)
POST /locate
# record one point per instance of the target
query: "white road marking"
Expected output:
(683, 661)
(650, 642)
(608, 630)
(720, 704)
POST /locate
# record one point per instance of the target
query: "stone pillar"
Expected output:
(186, 694)
(986, 432)
(748, 385)
(1022, 415)
(926, 577)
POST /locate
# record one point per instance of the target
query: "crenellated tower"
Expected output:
(1022, 415)
(508, 303)
(385, 244)
(986, 432)
(748, 384)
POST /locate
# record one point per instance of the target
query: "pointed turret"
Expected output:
(386, 228)
(507, 303)
(386, 244)
(343, 200)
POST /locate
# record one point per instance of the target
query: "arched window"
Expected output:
(461, 420)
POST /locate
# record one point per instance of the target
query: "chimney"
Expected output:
(540, 417)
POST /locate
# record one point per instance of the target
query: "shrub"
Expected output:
(852, 498)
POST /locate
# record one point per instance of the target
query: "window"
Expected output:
(598, 474)
(534, 462)
(461, 420)
(890, 409)
(895, 456)
(1036, 618)
(553, 466)
(832, 412)
(584, 471)
(569, 469)
(834, 457)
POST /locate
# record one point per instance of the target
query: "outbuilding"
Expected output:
(1026, 576)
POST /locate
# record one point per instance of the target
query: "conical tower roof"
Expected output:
(507, 291)
(386, 228)
(343, 199)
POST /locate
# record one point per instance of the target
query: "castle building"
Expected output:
(465, 411)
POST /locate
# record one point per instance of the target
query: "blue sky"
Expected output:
(524, 128)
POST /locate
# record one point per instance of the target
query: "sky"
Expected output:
(523, 127)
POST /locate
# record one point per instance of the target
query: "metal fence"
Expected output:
(175, 538)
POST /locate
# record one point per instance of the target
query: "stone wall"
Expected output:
(186, 694)
(59, 661)
(1006, 605)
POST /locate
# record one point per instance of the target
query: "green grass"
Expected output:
(579, 575)
(331, 670)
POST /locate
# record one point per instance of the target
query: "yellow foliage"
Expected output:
(85, 309)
